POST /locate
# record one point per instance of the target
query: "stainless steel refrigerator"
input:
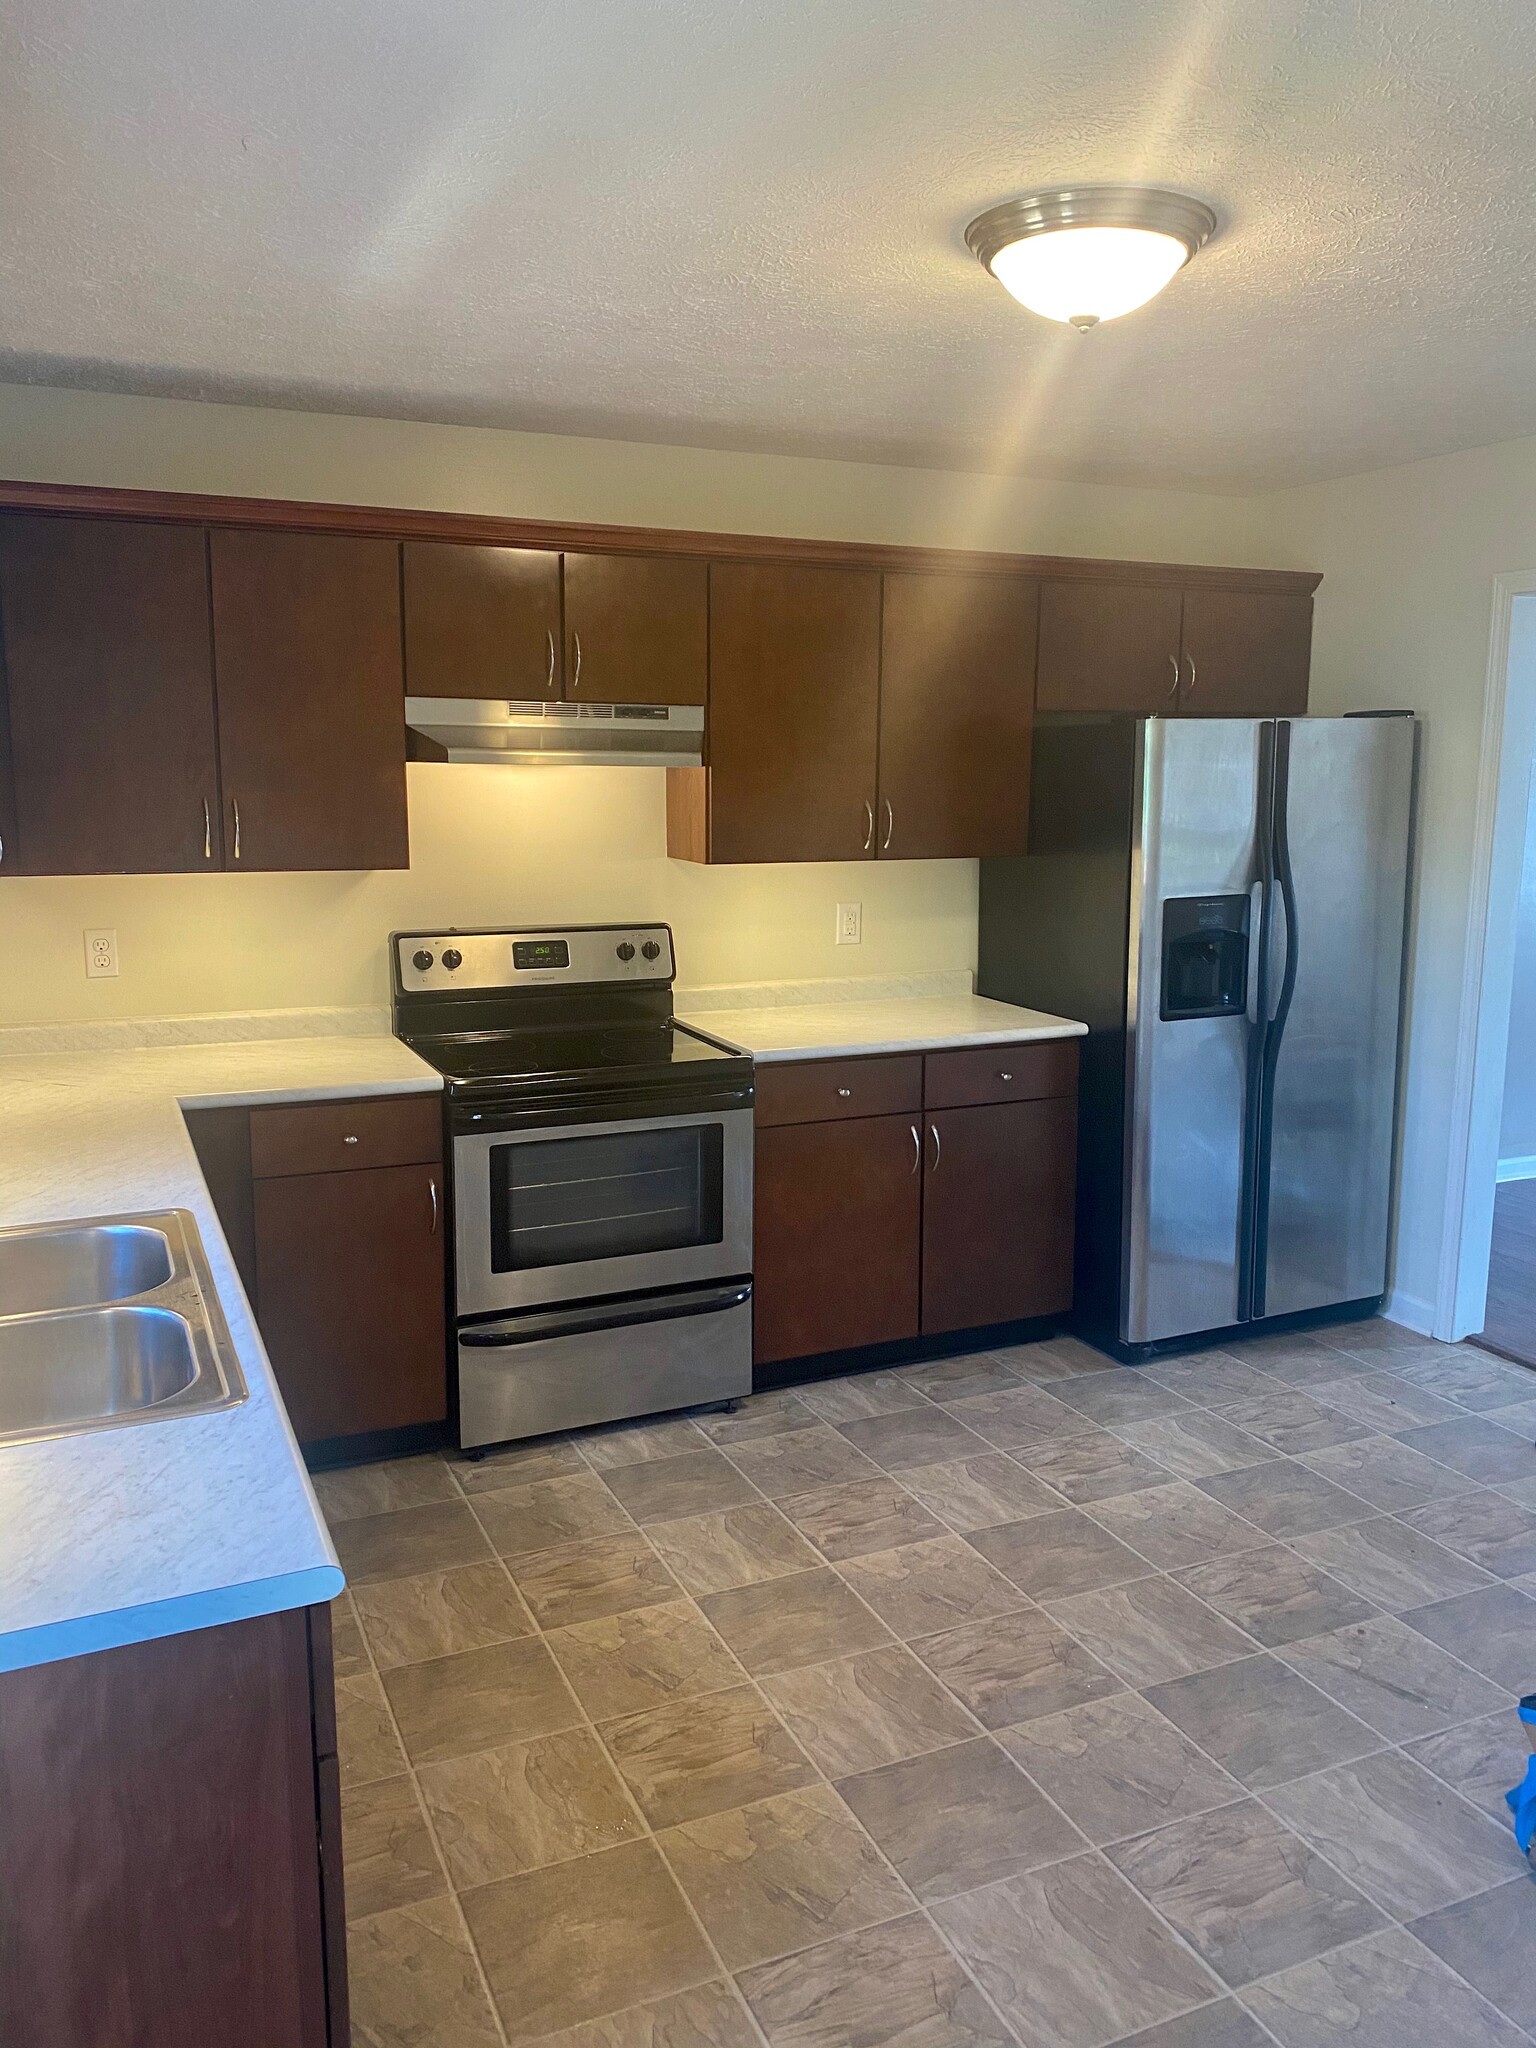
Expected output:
(1223, 902)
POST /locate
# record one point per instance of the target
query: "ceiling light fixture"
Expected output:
(1088, 253)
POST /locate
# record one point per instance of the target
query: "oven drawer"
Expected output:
(329, 1137)
(1000, 1073)
(549, 1369)
(819, 1091)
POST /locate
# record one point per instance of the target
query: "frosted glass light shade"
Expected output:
(1085, 275)
(1090, 253)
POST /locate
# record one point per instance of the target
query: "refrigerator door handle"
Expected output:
(1274, 1031)
(1256, 928)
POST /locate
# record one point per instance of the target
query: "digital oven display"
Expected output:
(540, 953)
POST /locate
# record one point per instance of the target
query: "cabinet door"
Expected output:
(311, 700)
(998, 1207)
(481, 621)
(957, 674)
(1108, 647)
(636, 629)
(350, 1277)
(1246, 654)
(111, 697)
(836, 1236)
(794, 683)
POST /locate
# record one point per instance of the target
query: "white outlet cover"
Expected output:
(100, 955)
(850, 924)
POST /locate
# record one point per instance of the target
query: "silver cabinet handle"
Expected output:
(890, 826)
(845, 1093)
(235, 806)
(207, 831)
(432, 1185)
(869, 824)
(1005, 1077)
(1191, 660)
(917, 1149)
(576, 677)
(937, 1146)
(349, 1140)
(549, 680)
(1173, 687)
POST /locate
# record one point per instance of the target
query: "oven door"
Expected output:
(581, 1210)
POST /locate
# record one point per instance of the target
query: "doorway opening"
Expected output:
(1488, 1267)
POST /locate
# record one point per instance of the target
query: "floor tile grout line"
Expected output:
(425, 1811)
(648, 1834)
(854, 1818)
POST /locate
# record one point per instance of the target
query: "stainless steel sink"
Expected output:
(90, 1365)
(79, 1265)
(109, 1321)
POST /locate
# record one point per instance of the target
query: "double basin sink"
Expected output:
(109, 1321)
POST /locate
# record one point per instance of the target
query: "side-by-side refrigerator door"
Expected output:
(1192, 960)
(1343, 805)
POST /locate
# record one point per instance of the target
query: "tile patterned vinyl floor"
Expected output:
(1020, 1700)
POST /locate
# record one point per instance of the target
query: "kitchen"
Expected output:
(830, 1596)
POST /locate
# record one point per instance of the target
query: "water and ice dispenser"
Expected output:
(1205, 957)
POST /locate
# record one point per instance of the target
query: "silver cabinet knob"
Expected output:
(845, 1093)
(349, 1141)
(1005, 1077)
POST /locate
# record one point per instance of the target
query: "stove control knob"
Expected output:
(625, 950)
(651, 950)
(421, 959)
(453, 958)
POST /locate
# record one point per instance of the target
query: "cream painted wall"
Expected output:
(246, 451)
(505, 845)
(1403, 616)
(488, 846)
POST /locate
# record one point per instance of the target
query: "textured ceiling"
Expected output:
(739, 225)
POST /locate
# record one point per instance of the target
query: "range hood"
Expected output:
(512, 735)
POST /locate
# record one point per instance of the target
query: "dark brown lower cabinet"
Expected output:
(837, 1217)
(349, 1282)
(997, 1213)
(169, 1860)
(955, 1213)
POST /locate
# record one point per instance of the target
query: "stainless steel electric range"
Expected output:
(601, 1176)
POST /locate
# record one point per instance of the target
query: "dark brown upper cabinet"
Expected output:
(114, 765)
(307, 660)
(794, 695)
(636, 629)
(1247, 654)
(481, 621)
(957, 677)
(1108, 647)
(1202, 652)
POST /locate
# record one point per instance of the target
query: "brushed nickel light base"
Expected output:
(1152, 208)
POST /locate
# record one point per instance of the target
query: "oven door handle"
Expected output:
(538, 1327)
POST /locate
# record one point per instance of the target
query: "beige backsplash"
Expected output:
(490, 846)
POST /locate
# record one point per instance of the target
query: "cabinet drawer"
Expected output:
(1000, 1073)
(329, 1137)
(817, 1091)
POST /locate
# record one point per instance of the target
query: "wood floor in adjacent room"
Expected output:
(1510, 1327)
(1018, 1700)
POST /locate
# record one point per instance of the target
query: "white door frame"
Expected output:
(1498, 845)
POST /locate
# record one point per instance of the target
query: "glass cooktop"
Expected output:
(599, 1049)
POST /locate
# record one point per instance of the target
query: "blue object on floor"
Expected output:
(1522, 1800)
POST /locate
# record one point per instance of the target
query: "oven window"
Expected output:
(563, 1201)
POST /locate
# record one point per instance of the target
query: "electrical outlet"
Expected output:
(850, 924)
(100, 955)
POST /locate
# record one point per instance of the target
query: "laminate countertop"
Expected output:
(814, 1031)
(124, 1534)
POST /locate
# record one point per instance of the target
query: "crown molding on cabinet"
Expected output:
(395, 523)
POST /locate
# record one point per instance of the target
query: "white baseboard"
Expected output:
(1410, 1311)
(1518, 1169)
